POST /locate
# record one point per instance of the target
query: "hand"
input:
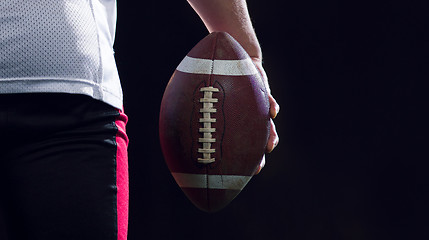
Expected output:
(273, 139)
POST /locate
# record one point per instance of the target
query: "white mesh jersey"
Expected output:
(59, 46)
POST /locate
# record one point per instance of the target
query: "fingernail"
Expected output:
(274, 114)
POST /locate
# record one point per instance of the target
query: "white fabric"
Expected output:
(59, 46)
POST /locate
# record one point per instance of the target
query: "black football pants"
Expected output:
(63, 168)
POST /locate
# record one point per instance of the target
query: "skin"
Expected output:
(232, 16)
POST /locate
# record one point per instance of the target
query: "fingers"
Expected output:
(273, 139)
(274, 107)
(261, 165)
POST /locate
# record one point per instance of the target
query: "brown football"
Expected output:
(214, 122)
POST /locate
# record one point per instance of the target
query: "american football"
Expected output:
(214, 122)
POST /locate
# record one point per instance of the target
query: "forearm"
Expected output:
(229, 16)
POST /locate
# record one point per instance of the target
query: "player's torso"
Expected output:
(59, 46)
(53, 38)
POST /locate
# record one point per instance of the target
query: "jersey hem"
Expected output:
(60, 85)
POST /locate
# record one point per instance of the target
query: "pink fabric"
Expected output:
(122, 176)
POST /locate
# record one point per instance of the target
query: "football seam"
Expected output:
(207, 109)
(210, 83)
(208, 100)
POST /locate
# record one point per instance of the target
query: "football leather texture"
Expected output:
(214, 122)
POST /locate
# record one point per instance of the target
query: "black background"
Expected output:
(348, 76)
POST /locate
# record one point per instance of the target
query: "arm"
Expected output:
(229, 16)
(232, 16)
